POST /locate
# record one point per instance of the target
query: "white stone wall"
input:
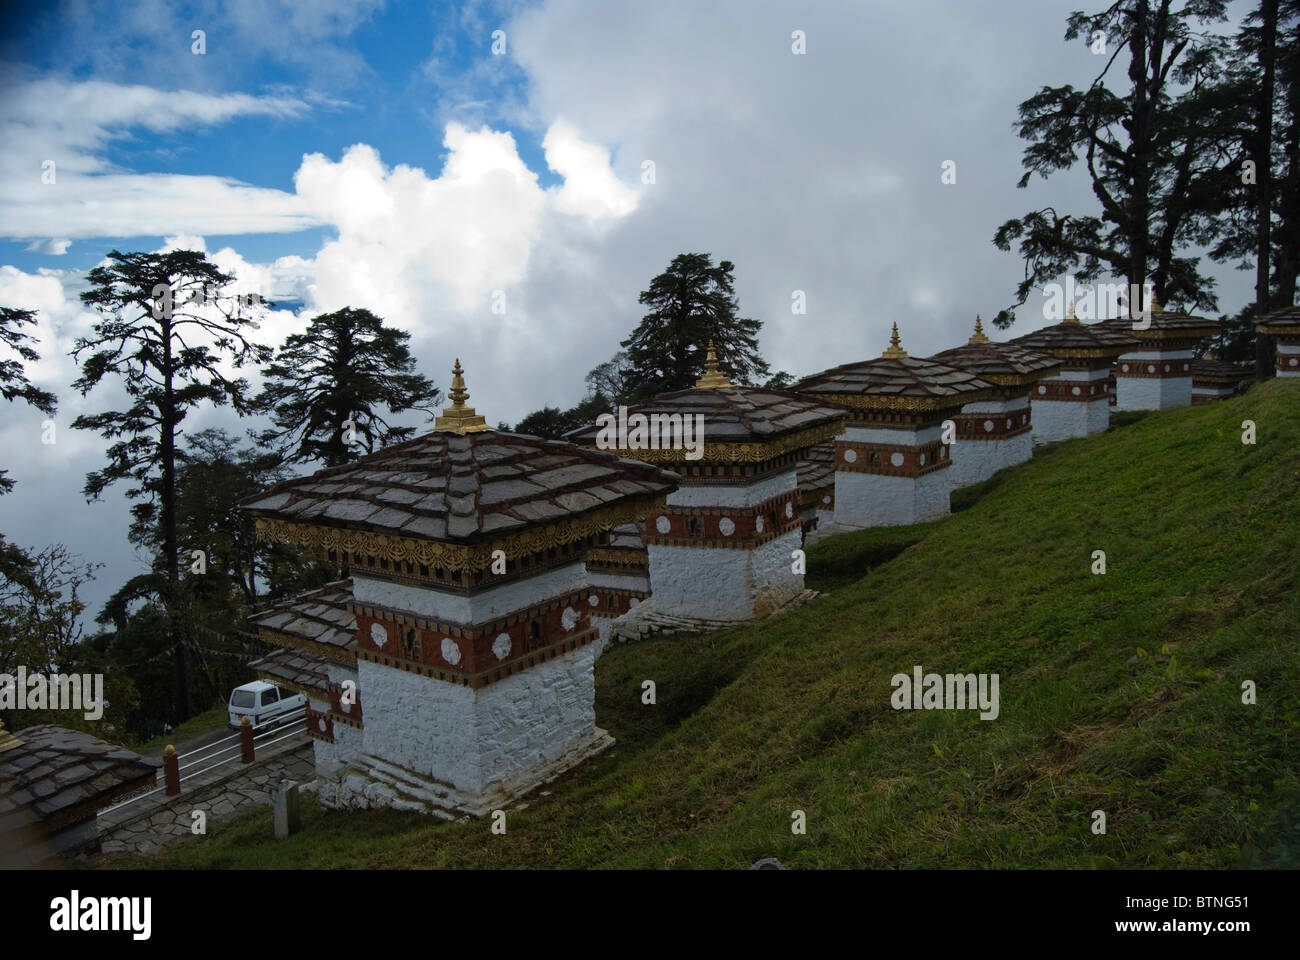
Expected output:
(1150, 393)
(714, 583)
(1288, 360)
(485, 741)
(726, 495)
(872, 500)
(510, 596)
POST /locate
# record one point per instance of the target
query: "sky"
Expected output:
(503, 179)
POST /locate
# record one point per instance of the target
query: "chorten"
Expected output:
(1284, 327)
(1215, 379)
(1158, 374)
(817, 487)
(721, 549)
(891, 465)
(619, 571)
(467, 617)
(995, 432)
(1076, 401)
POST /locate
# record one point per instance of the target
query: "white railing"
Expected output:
(290, 719)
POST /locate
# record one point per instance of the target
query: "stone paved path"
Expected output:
(160, 820)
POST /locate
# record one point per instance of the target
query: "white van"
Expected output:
(262, 702)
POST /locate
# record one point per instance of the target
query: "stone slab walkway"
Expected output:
(150, 824)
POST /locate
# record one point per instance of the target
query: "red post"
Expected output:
(246, 738)
(171, 771)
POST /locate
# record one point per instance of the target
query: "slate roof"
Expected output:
(733, 414)
(1286, 317)
(1000, 362)
(295, 668)
(1073, 339)
(899, 377)
(461, 489)
(64, 776)
(1220, 371)
(817, 470)
(1164, 324)
(321, 616)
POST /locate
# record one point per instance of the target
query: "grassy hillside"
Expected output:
(1119, 692)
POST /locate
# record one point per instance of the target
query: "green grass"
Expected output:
(196, 725)
(1119, 693)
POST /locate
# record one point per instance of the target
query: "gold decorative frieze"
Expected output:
(437, 553)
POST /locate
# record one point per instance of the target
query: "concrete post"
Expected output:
(171, 771)
(284, 808)
(246, 738)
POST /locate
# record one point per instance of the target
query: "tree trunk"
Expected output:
(1264, 178)
(168, 451)
(1139, 151)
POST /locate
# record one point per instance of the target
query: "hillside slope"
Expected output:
(1120, 692)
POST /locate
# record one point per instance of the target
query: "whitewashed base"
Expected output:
(714, 583)
(872, 500)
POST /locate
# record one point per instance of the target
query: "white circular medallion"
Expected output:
(1151, 368)
(726, 527)
(758, 524)
(1042, 388)
(501, 646)
(826, 499)
(450, 652)
(850, 456)
(789, 510)
(378, 635)
(569, 618)
(1008, 424)
(923, 459)
(1166, 368)
(1125, 368)
(988, 426)
(896, 459)
(594, 600)
(662, 524)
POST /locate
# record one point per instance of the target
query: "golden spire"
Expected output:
(712, 376)
(978, 336)
(1155, 304)
(894, 349)
(459, 418)
(1070, 317)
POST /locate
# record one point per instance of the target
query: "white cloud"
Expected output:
(590, 188)
(55, 180)
(52, 247)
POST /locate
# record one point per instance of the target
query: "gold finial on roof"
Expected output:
(7, 740)
(712, 375)
(459, 418)
(978, 336)
(1155, 304)
(1070, 317)
(894, 349)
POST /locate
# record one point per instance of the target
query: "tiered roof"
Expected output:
(64, 776)
(1001, 364)
(895, 381)
(740, 423)
(1280, 323)
(816, 472)
(449, 498)
(318, 622)
(1208, 370)
(1072, 340)
(1166, 328)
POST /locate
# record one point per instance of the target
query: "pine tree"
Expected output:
(691, 303)
(14, 384)
(168, 328)
(327, 387)
(1150, 148)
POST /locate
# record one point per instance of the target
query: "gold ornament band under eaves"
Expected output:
(435, 553)
(871, 401)
(720, 451)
